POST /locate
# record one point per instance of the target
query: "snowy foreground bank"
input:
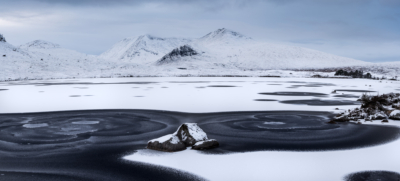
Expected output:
(72, 129)
(279, 165)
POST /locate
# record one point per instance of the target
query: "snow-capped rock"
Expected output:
(167, 143)
(395, 114)
(377, 107)
(188, 134)
(379, 116)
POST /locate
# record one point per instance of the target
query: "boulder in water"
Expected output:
(188, 134)
(168, 143)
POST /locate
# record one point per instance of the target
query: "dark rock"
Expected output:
(2, 39)
(316, 76)
(373, 176)
(332, 122)
(373, 108)
(385, 121)
(342, 118)
(205, 145)
(183, 51)
(168, 143)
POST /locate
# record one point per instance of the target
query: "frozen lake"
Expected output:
(268, 128)
(188, 94)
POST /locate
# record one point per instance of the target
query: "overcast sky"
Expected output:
(367, 30)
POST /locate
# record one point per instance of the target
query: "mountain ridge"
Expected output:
(220, 52)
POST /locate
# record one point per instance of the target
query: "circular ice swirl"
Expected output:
(89, 145)
(292, 130)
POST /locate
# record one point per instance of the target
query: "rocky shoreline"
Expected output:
(379, 107)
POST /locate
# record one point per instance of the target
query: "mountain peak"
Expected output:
(149, 37)
(223, 34)
(2, 39)
(144, 47)
(226, 31)
(40, 44)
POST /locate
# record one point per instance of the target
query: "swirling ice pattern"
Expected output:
(89, 145)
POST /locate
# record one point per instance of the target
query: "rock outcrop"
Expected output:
(188, 134)
(2, 39)
(183, 51)
(373, 108)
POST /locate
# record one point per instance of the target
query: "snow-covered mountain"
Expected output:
(50, 51)
(223, 36)
(41, 59)
(222, 48)
(221, 52)
(231, 49)
(142, 49)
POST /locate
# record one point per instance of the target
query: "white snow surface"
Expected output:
(183, 94)
(39, 44)
(220, 53)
